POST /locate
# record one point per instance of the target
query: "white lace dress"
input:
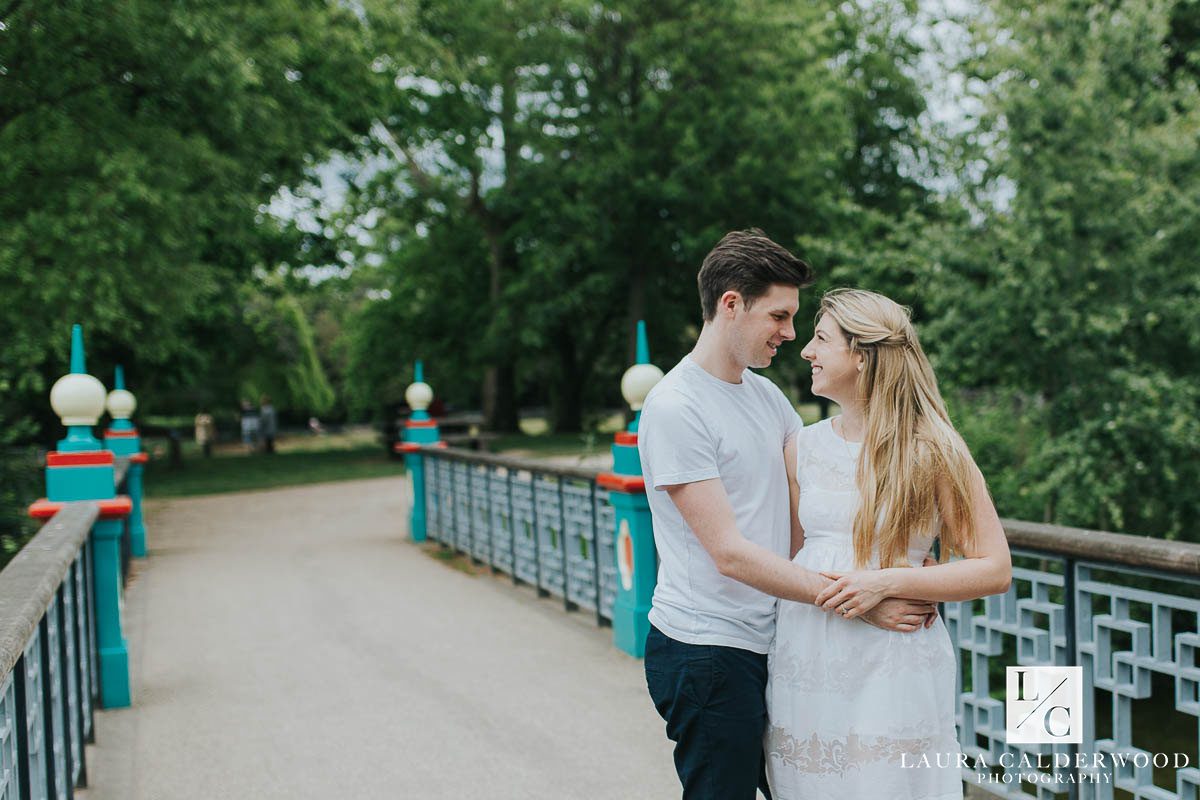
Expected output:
(854, 712)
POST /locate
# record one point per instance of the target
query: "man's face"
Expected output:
(758, 331)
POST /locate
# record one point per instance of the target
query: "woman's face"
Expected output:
(834, 368)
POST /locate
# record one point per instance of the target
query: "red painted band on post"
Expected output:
(139, 458)
(625, 437)
(90, 458)
(44, 509)
(421, 423)
(413, 447)
(117, 507)
(123, 434)
(112, 508)
(629, 484)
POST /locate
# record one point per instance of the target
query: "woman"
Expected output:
(853, 708)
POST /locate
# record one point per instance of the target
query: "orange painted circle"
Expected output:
(625, 555)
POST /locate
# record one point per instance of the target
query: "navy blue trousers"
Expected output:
(713, 700)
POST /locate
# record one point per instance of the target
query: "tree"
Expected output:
(1071, 295)
(457, 130)
(141, 142)
(597, 151)
(140, 145)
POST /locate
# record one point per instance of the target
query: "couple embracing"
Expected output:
(794, 643)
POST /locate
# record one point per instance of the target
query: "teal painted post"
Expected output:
(637, 558)
(643, 344)
(137, 527)
(637, 567)
(81, 470)
(420, 431)
(123, 439)
(110, 637)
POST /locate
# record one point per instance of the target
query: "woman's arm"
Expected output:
(789, 459)
(985, 569)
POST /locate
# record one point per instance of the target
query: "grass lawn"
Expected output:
(299, 460)
(551, 444)
(811, 412)
(536, 440)
(348, 455)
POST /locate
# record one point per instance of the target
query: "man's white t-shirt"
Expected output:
(695, 426)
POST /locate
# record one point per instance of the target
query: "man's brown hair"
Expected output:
(748, 263)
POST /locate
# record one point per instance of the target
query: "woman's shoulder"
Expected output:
(818, 428)
(813, 436)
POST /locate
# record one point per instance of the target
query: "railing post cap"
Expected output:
(419, 395)
(637, 382)
(121, 403)
(78, 399)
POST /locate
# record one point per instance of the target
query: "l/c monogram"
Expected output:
(1035, 715)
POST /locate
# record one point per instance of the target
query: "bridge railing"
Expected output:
(1124, 608)
(48, 658)
(548, 526)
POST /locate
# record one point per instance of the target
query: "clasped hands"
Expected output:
(866, 594)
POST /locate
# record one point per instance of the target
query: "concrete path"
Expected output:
(294, 644)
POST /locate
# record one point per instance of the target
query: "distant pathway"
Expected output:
(294, 644)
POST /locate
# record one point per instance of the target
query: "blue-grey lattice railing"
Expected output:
(548, 526)
(50, 683)
(1125, 608)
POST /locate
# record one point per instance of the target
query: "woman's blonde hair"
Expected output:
(910, 448)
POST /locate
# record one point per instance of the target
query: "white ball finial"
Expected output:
(121, 404)
(418, 395)
(637, 382)
(78, 399)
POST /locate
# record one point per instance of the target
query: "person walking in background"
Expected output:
(267, 423)
(206, 432)
(250, 427)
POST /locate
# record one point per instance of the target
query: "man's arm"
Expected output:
(897, 614)
(705, 508)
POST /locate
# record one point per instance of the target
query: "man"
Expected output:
(717, 446)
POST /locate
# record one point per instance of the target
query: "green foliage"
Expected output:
(1003, 429)
(281, 358)
(527, 179)
(1075, 286)
(423, 303)
(140, 143)
(20, 485)
(244, 473)
(548, 173)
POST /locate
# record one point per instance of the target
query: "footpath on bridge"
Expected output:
(295, 644)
